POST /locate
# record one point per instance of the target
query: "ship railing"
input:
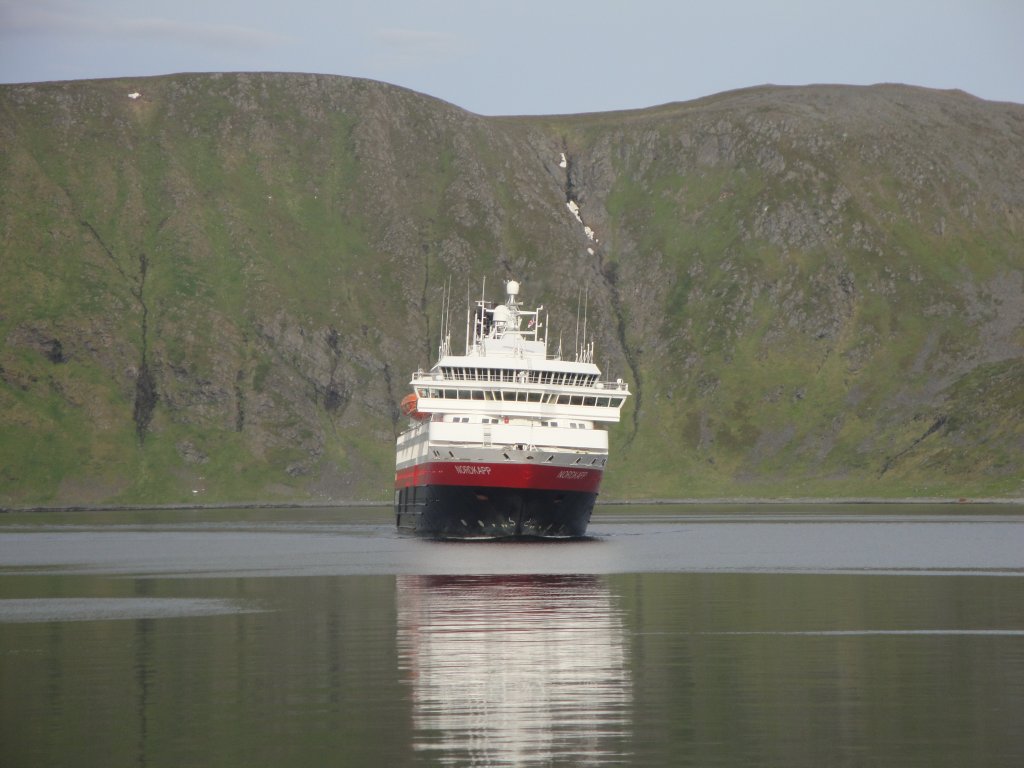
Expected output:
(547, 380)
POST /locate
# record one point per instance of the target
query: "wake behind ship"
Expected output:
(504, 440)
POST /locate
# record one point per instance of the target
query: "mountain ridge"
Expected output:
(216, 290)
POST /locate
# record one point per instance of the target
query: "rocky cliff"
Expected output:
(215, 286)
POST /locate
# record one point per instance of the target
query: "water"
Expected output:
(683, 636)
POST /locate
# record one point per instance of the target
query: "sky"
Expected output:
(509, 57)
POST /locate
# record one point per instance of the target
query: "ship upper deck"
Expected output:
(507, 372)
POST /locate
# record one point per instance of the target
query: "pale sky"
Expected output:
(531, 56)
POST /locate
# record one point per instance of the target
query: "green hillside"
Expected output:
(217, 290)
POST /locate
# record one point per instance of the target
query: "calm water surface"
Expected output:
(677, 635)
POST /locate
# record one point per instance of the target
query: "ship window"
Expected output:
(576, 400)
(563, 399)
(589, 400)
(534, 397)
(616, 402)
(478, 394)
(602, 402)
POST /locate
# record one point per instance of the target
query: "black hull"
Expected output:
(461, 512)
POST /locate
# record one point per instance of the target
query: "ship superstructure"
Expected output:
(504, 440)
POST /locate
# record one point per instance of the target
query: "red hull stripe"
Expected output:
(487, 475)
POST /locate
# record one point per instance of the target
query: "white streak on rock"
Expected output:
(572, 206)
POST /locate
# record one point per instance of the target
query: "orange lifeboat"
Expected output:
(408, 408)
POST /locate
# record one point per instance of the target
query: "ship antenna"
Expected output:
(448, 334)
(586, 301)
(446, 319)
(579, 299)
(467, 316)
(440, 341)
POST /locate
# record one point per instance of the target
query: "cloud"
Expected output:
(419, 43)
(51, 18)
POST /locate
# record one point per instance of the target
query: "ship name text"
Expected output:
(468, 469)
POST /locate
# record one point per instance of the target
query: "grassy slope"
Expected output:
(807, 299)
(822, 303)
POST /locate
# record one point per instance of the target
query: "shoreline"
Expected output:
(797, 500)
(344, 504)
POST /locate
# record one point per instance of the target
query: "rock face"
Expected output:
(216, 289)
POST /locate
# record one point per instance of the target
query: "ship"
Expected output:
(505, 440)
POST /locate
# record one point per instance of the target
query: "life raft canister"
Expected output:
(408, 408)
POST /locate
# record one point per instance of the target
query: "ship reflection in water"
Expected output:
(514, 670)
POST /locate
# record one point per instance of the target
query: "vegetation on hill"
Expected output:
(216, 290)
